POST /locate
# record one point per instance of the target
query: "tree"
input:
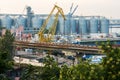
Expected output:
(108, 69)
(31, 73)
(6, 51)
(50, 71)
(3, 77)
(111, 62)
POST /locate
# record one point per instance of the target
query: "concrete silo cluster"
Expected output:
(6, 22)
(85, 25)
(20, 21)
(72, 25)
(37, 22)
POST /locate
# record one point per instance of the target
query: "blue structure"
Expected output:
(82, 26)
(88, 26)
(70, 23)
(29, 17)
(60, 27)
(0, 23)
(67, 26)
(70, 26)
(37, 22)
(21, 21)
(77, 25)
(104, 25)
(93, 25)
(73, 26)
(7, 22)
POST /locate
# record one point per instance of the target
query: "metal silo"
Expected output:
(88, 26)
(0, 23)
(36, 22)
(73, 25)
(7, 22)
(67, 26)
(82, 25)
(104, 25)
(21, 21)
(70, 26)
(77, 25)
(93, 25)
(60, 27)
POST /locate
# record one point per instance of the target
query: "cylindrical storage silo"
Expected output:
(60, 27)
(88, 26)
(0, 23)
(82, 25)
(67, 26)
(21, 21)
(7, 22)
(104, 25)
(73, 25)
(36, 22)
(99, 25)
(93, 25)
(77, 25)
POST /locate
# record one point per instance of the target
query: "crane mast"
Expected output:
(52, 30)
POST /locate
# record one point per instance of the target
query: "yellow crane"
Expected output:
(52, 29)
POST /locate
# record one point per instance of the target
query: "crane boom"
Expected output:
(52, 29)
(74, 10)
(71, 8)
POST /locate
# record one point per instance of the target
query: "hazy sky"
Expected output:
(107, 8)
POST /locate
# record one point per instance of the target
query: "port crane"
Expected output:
(52, 29)
(71, 12)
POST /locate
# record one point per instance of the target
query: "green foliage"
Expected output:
(82, 71)
(30, 73)
(6, 42)
(49, 72)
(111, 63)
(6, 48)
(3, 77)
(109, 69)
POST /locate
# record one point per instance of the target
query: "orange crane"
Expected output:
(52, 29)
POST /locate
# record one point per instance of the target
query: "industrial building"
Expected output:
(72, 25)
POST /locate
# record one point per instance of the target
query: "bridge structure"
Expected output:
(59, 46)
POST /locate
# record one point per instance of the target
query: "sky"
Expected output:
(107, 8)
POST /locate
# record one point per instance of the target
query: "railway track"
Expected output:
(59, 46)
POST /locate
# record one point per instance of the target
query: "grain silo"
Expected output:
(82, 26)
(93, 25)
(67, 26)
(104, 25)
(21, 21)
(60, 28)
(37, 22)
(77, 26)
(6, 22)
(73, 25)
(0, 23)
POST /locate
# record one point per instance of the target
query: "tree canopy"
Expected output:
(6, 51)
(108, 69)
